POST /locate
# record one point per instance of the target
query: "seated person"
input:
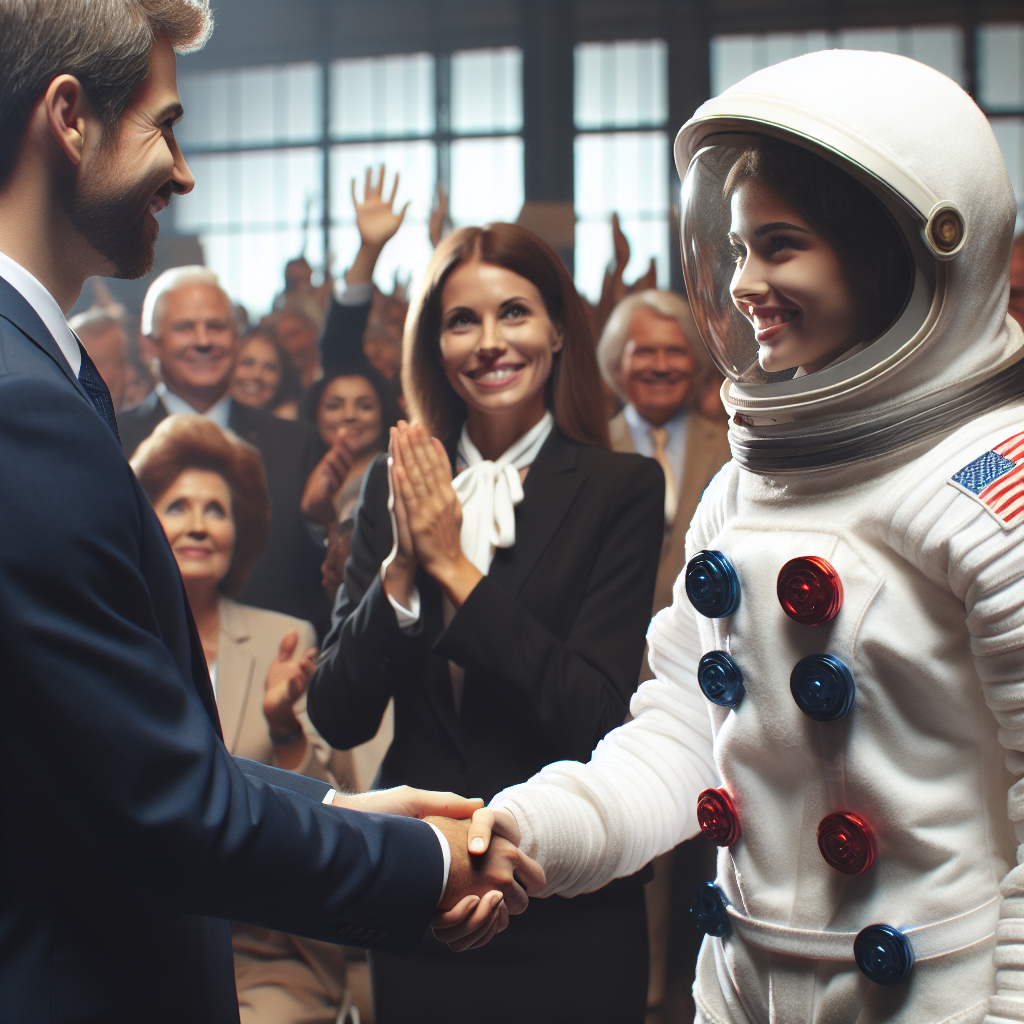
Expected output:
(210, 495)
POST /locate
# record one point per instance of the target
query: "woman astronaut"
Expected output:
(852, 610)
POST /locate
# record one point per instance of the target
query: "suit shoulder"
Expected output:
(244, 419)
(619, 468)
(262, 622)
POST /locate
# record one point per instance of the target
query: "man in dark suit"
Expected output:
(131, 837)
(187, 318)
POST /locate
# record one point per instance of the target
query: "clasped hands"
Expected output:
(427, 517)
(489, 877)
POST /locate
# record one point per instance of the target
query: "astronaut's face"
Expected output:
(789, 283)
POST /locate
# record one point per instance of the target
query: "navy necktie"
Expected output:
(90, 379)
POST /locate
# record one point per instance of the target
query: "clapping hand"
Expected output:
(428, 514)
(286, 683)
(328, 477)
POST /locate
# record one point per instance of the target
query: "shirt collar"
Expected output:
(219, 412)
(46, 308)
(636, 422)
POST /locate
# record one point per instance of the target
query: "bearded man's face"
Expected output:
(127, 179)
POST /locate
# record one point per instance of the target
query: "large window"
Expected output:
(621, 158)
(1000, 69)
(271, 147)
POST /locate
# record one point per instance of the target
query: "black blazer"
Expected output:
(286, 577)
(130, 836)
(551, 639)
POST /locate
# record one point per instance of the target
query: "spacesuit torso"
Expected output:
(931, 630)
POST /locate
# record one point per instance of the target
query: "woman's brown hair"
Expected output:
(194, 442)
(573, 390)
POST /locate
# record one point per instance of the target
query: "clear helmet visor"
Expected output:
(792, 264)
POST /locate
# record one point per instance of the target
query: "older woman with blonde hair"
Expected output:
(506, 612)
(210, 494)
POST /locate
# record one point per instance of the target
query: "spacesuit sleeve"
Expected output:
(637, 796)
(984, 565)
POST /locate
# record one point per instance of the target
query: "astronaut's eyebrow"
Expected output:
(775, 226)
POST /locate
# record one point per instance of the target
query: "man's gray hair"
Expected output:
(616, 333)
(105, 44)
(170, 281)
(95, 321)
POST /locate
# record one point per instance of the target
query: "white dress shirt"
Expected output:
(46, 307)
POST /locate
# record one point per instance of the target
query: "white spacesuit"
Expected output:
(858, 579)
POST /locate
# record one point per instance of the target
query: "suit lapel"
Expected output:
(549, 491)
(15, 308)
(235, 667)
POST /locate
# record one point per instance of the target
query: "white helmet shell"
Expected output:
(924, 149)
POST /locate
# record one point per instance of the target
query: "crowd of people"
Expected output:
(490, 552)
(263, 450)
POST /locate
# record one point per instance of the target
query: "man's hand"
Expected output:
(410, 803)
(482, 890)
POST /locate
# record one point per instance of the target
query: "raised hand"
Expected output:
(326, 480)
(438, 215)
(286, 682)
(375, 215)
(423, 477)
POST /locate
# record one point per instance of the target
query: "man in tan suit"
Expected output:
(652, 357)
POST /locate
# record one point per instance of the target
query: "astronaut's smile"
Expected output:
(768, 321)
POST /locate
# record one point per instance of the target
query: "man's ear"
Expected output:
(67, 112)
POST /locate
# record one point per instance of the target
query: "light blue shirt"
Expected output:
(177, 406)
(675, 446)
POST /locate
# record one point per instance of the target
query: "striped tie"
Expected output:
(91, 381)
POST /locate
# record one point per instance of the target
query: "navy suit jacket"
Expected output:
(130, 836)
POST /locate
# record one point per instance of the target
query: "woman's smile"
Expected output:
(769, 321)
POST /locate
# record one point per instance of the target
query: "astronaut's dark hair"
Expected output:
(845, 212)
(105, 44)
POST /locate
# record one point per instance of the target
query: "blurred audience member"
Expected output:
(507, 620)
(103, 335)
(352, 412)
(652, 357)
(210, 495)
(186, 318)
(264, 377)
(1017, 279)
(138, 383)
(296, 326)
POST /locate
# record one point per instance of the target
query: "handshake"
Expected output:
(489, 876)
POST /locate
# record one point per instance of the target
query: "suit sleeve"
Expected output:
(577, 689)
(365, 655)
(341, 344)
(84, 614)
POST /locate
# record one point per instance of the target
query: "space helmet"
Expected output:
(898, 331)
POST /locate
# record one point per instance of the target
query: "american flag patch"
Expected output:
(996, 479)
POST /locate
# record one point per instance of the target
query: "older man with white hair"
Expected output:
(188, 321)
(652, 357)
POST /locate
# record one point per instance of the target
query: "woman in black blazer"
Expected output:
(506, 645)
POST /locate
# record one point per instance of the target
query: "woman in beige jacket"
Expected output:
(209, 492)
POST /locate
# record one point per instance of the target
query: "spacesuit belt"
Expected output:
(928, 940)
